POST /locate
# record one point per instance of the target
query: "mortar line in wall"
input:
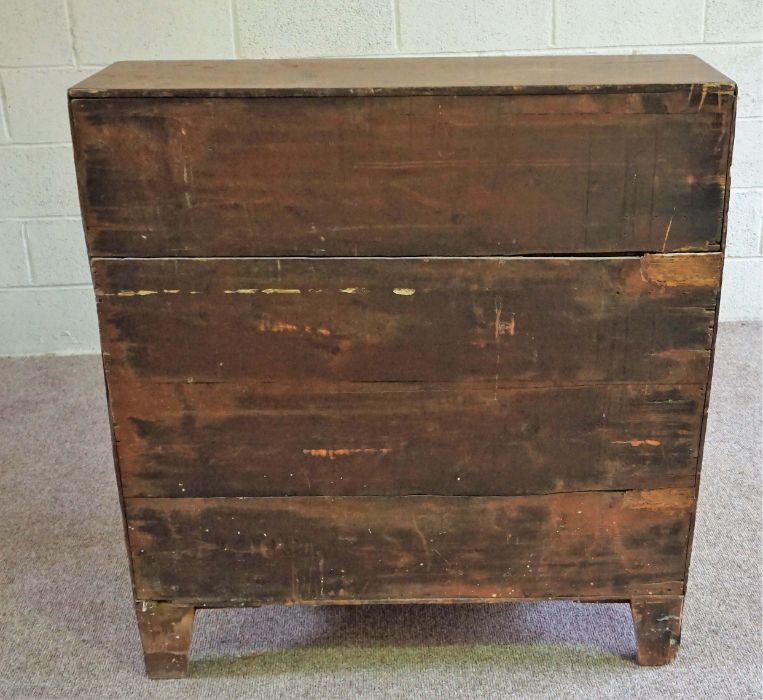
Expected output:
(234, 28)
(70, 25)
(38, 66)
(396, 18)
(27, 254)
(57, 68)
(704, 21)
(45, 287)
(517, 52)
(45, 217)
(4, 114)
(639, 47)
(26, 144)
(553, 23)
(621, 50)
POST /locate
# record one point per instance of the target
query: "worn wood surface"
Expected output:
(288, 377)
(290, 358)
(403, 76)
(165, 632)
(657, 622)
(294, 549)
(319, 438)
(496, 323)
(445, 175)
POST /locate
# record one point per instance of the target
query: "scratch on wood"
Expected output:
(424, 542)
(667, 233)
(404, 291)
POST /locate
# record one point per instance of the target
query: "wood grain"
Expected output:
(493, 322)
(421, 75)
(657, 622)
(319, 438)
(406, 330)
(165, 633)
(291, 550)
(429, 175)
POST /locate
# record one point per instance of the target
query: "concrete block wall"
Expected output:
(46, 301)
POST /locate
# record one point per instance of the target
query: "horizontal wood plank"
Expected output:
(401, 76)
(292, 550)
(277, 439)
(428, 175)
(494, 322)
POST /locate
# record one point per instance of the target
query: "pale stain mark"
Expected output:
(638, 443)
(345, 452)
(668, 270)
(136, 292)
(404, 291)
(268, 326)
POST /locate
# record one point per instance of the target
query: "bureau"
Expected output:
(406, 330)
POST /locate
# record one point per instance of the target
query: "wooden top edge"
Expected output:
(401, 76)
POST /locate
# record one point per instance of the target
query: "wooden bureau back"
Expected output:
(406, 330)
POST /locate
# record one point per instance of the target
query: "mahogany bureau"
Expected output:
(406, 330)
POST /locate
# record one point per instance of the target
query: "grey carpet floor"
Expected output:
(67, 626)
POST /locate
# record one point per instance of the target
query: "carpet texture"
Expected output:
(67, 627)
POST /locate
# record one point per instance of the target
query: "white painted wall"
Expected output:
(46, 302)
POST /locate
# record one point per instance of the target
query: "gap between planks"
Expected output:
(684, 487)
(518, 256)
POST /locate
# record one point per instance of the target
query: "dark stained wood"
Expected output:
(279, 439)
(703, 430)
(165, 632)
(447, 175)
(289, 550)
(657, 621)
(496, 322)
(406, 330)
(402, 76)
